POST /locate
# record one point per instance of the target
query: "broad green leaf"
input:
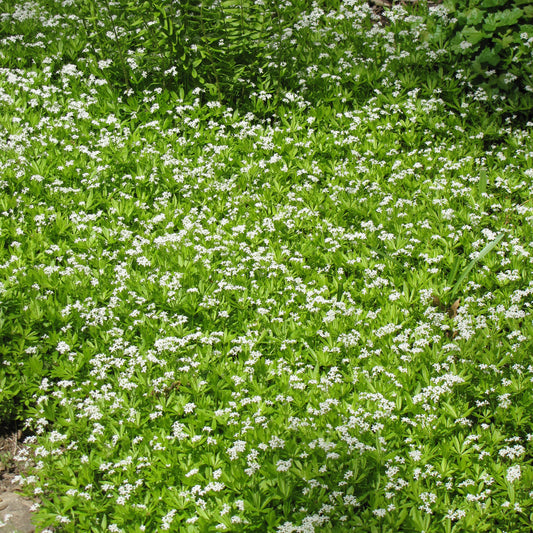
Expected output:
(493, 3)
(502, 19)
(472, 35)
(527, 28)
(488, 56)
(474, 17)
(528, 11)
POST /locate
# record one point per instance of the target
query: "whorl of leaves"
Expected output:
(226, 46)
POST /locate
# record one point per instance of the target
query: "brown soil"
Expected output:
(10, 445)
(15, 509)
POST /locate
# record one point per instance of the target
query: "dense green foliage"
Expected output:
(280, 284)
(235, 49)
(181, 44)
(225, 46)
(494, 37)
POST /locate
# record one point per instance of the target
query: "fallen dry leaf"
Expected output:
(452, 311)
(451, 334)
(437, 303)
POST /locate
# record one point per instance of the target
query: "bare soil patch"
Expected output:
(10, 445)
(15, 509)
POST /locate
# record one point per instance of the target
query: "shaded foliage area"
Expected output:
(239, 51)
(225, 46)
(239, 48)
(493, 38)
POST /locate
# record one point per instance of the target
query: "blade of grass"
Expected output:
(482, 185)
(473, 263)
(385, 255)
(453, 273)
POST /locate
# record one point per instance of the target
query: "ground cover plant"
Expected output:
(309, 310)
(491, 33)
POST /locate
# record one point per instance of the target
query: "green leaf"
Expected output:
(502, 19)
(474, 17)
(493, 3)
(454, 270)
(482, 184)
(36, 365)
(472, 35)
(474, 262)
(527, 28)
(488, 56)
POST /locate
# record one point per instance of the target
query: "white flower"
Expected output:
(62, 347)
(513, 473)
(189, 407)
(283, 466)
(238, 447)
(104, 63)
(415, 455)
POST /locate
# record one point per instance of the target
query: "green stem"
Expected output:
(209, 55)
(119, 50)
